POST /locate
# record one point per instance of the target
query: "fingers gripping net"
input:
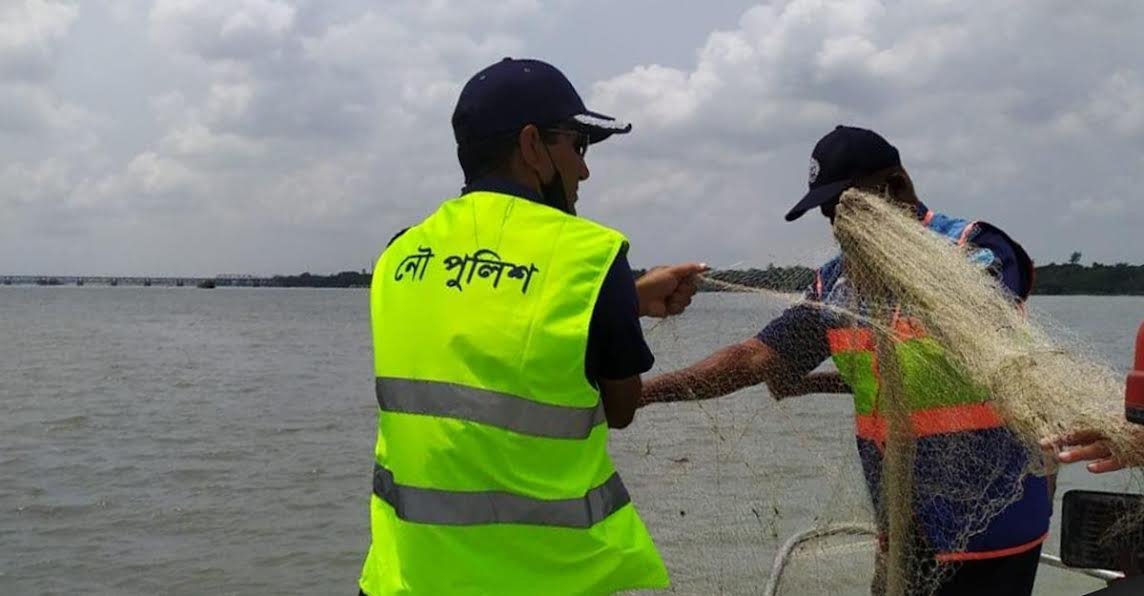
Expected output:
(726, 483)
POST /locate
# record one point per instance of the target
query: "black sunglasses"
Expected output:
(579, 144)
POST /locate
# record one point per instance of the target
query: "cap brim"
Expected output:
(820, 196)
(599, 127)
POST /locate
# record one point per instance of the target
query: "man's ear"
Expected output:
(899, 188)
(896, 183)
(529, 143)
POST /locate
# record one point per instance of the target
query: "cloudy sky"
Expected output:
(183, 137)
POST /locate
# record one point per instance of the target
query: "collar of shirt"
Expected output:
(503, 186)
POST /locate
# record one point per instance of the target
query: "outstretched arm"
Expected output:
(820, 382)
(782, 355)
(735, 367)
(726, 371)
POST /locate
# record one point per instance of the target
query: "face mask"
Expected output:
(552, 193)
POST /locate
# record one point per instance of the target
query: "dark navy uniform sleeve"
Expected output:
(798, 335)
(616, 346)
(1010, 263)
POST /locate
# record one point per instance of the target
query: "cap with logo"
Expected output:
(844, 155)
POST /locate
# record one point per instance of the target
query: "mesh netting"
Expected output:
(902, 271)
(951, 350)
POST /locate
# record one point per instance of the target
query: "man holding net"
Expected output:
(507, 342)
(977, 516)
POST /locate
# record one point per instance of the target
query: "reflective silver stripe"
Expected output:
(487, 407)
(443, 507)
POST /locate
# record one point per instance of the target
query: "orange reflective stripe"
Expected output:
(861, 339)
(906, 328)
(958, 418)
(933, 421)
(870, 427)
(991, 554)
(851, 339)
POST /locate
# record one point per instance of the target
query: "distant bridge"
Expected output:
(247, 281)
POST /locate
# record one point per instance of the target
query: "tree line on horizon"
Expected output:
(1070, 278)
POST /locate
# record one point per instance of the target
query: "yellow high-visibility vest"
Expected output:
(491, 468)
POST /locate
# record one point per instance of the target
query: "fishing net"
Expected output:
(770, 497)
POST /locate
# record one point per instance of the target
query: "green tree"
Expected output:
(1074, 259)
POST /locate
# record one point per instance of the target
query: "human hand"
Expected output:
(665, 291)
(1090, 446)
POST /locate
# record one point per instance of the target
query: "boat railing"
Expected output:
(783, 556)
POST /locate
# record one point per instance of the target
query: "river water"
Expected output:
(185, 441)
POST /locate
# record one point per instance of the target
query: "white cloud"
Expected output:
(1118, 103)
(26, 108)
(123, 11)
(228, 102)
(23, 184)
(148, 181)
(169, 107)
(278, 120)
(152, 174)
(236, 29)
(428, 70)
(995, 109)
(197, 141)
(467, 15)
(29, 34)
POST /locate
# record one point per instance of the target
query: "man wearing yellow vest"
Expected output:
(506, 342)
(950, 417)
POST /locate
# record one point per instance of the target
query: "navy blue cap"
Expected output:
(506, 96)
(842, 156)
